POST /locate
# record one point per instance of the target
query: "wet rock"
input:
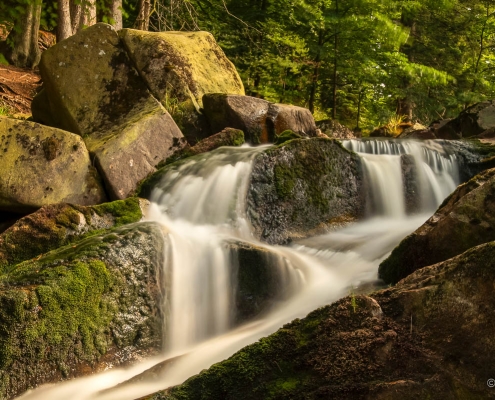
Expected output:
(80, 309)
(262, 279)
(417, 131)
(42, 165)
(57, 225)
(464, 220)
(411, 186)
(302, 187)
(93, 90)
(431, 336)
(336, 130)
(240, 112)
(260, 120)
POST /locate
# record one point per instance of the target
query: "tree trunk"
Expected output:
(64, 26)
(115, 13)
(75, 15)
(316, 73)
(88, 14)
(335, 59)
(143, 19)
(26, 52)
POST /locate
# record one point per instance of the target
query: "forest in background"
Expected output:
(361, 62)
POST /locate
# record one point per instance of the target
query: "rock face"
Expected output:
(80, 309)
(334, 129)
(56, 225)
(42, 165)
(472, 121)
(181, 65)
(259, 280)
(260, 120)
(94, 91)
(369, 347)
(282, 117)
(241, 112)
(179, 68)
(465, 219)
(304, 186)
(227, 137)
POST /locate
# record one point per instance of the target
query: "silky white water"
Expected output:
(201, 206)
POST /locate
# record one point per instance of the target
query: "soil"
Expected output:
(18, 86)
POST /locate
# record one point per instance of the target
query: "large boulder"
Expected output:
(81, 309)
(470, 122)
(42, 165)
(465, 219)
(241, 112)
(181, 65)
(333, 129)
(429, 337)
(260, 120)
(304, 186)
(179, 68)
(93, 90)
(57, 225)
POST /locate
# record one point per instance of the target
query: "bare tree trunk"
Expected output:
(83, 14)
(115, 13)
(143, 19)
(76, 9)
(316, 73)
(64, 28)
(26, 52)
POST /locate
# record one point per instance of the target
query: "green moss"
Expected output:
(64, 305)
(285, 136)
(125, 211)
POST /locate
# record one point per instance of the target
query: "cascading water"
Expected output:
(436, 173)
(201, 205)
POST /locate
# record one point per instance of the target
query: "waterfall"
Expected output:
(201, 204)
(435, 173)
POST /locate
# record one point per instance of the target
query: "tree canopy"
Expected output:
(357, 61)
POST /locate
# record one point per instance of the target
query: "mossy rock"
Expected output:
(181, 65)
(464, 220)
(81, 308)
(59, 224)
(302, 187)
(285, 136)
(93, 90)
(364, 347)
(42, 165)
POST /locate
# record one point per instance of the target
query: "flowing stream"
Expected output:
(201, 206)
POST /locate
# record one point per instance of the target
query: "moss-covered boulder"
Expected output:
(464, 220)
(429, 337)
(285, 136)
(80, 309)
(179, 68)
(42, 165)
(56, 225)
(181, 65)
(303, 186)
(260, 120)
(93, 90)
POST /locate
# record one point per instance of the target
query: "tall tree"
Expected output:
(24, 35)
